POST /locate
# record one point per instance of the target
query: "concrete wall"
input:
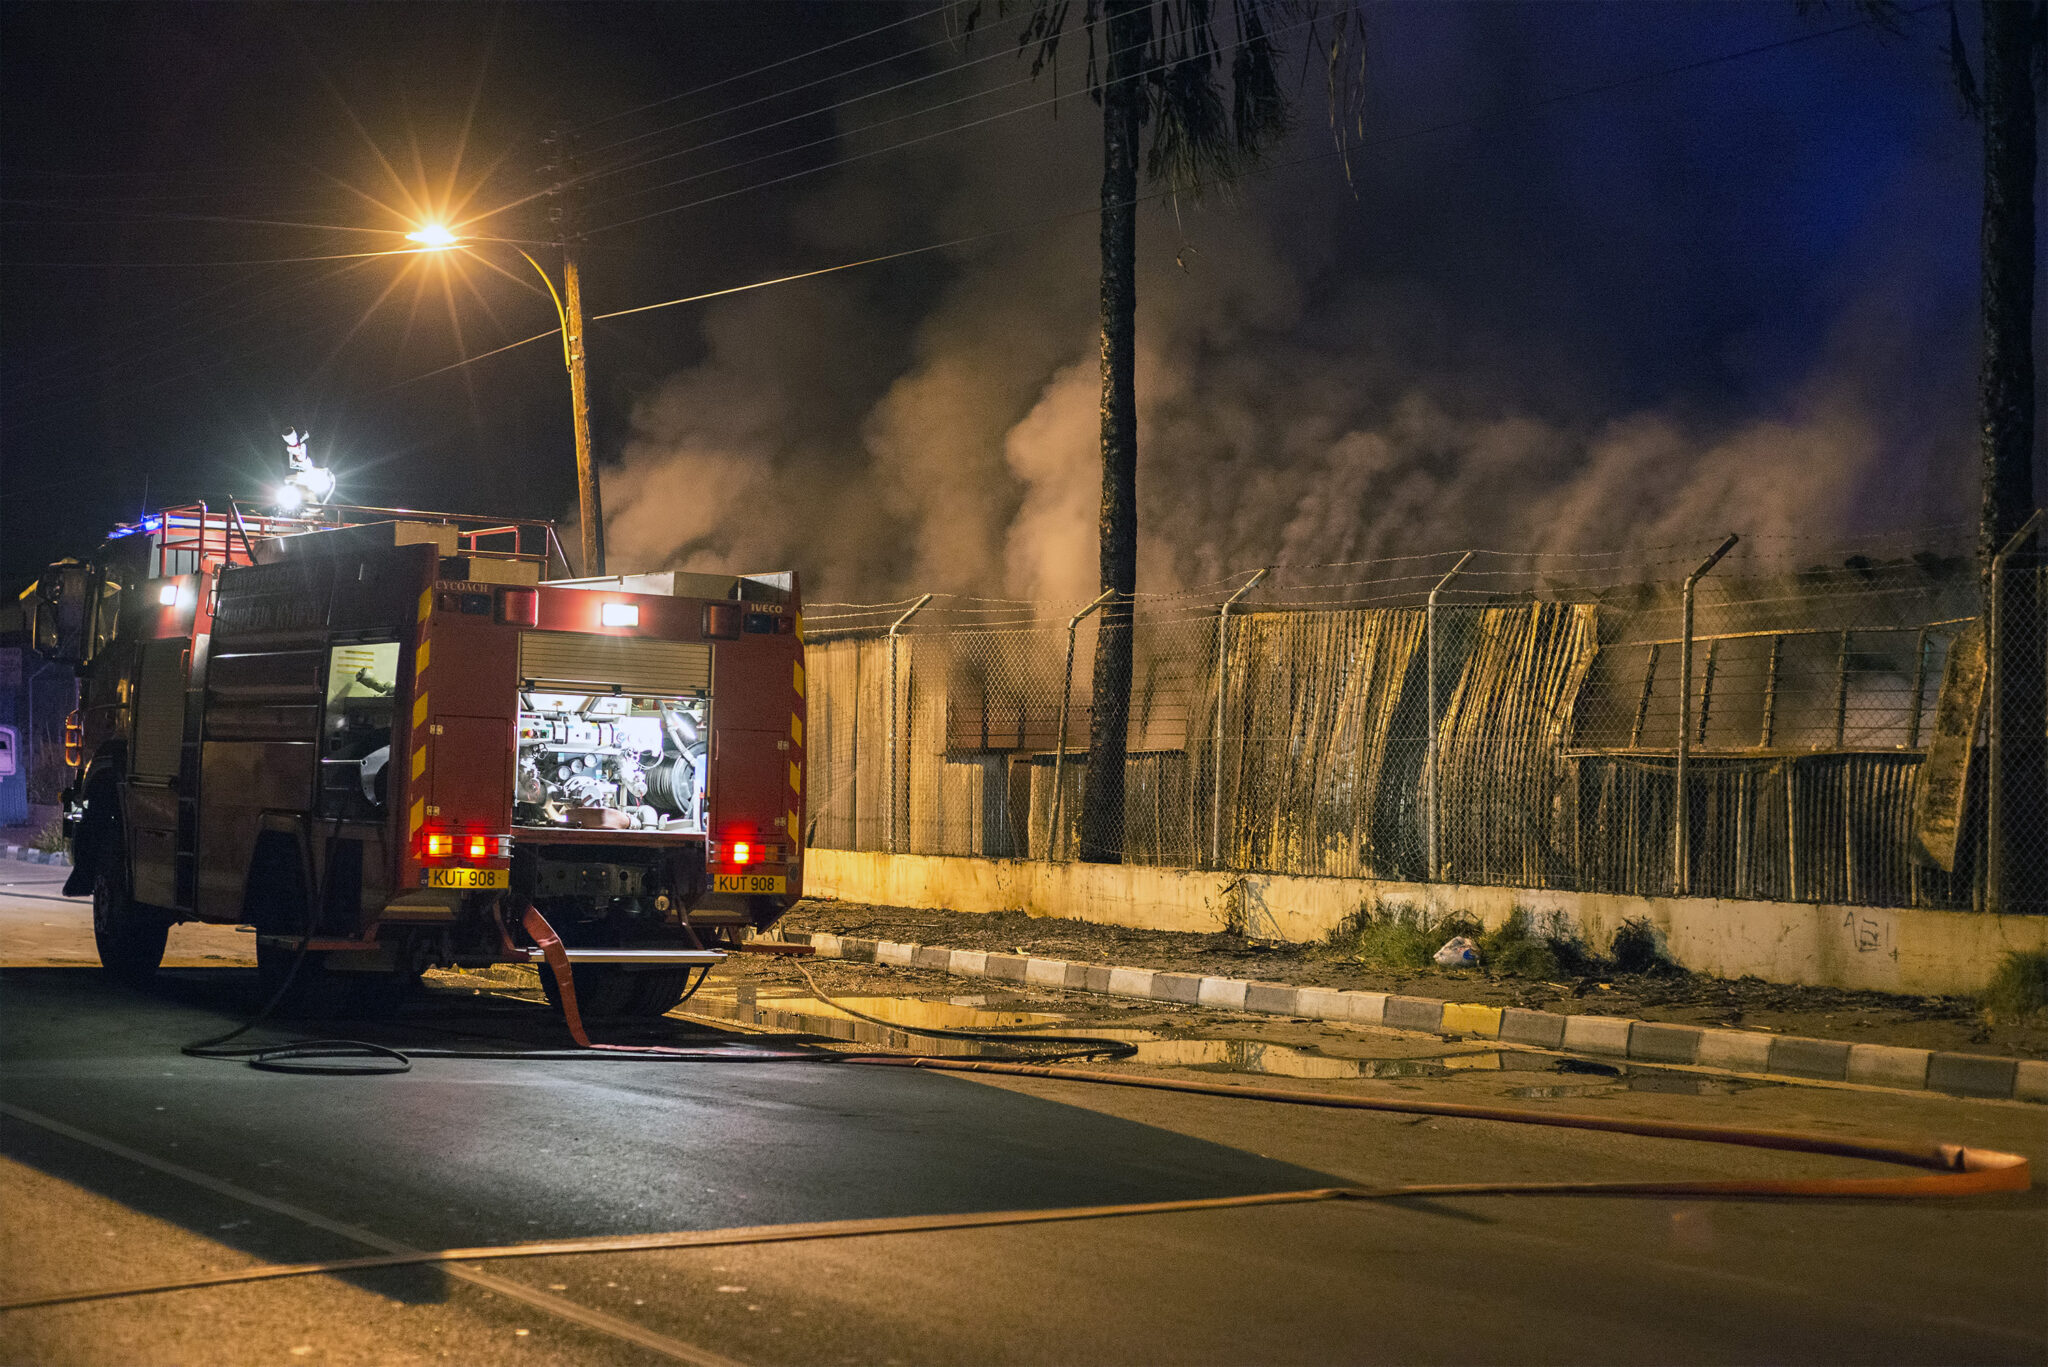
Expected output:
(1881, 949)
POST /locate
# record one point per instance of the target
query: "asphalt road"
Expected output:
(122, 1161)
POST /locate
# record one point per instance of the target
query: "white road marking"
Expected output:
(540, 1300)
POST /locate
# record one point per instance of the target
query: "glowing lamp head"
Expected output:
(168, 595)
(621, 614)
(440, 844)
(433, 236)
(742, 852)
(479, 847)
(318, 483)
(290, 497)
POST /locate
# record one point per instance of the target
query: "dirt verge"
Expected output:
(1953, 1023)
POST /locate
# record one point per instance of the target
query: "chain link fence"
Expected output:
(1482, 717)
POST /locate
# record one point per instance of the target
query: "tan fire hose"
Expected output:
(1947, 1170)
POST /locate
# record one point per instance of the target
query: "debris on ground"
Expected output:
(1457, 952)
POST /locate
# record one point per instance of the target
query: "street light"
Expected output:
(569, 311)
(433, 237)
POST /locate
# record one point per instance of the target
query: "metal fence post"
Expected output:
(1055, 844)
(894, 833)
(1222, 693)
(1681, 827)
(1994, 778)
(1429, 742)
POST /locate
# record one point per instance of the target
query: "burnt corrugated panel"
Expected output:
(832, 741)
(1157, 807)
(1506, 793)
(1315, 771)
(1003, 690)
(874, 773)
(1814, 828)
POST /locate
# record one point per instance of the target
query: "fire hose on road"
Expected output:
(1942, 1170)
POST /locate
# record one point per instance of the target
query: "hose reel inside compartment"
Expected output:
(614, 732)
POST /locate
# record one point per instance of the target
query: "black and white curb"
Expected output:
(1738, 1051)
(31, 856)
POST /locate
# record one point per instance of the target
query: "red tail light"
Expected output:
(463, 845)
(730, 852)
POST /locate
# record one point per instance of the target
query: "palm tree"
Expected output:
(1161, 66)
(2013, 47)
(2014, 44)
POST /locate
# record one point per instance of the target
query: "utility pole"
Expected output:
(590, 506)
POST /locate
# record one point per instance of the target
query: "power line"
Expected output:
(897, 146)
(189, 218)
(1447, 125)
(232, 316)
(880, 123)
(472, 360)
(771, 66)
(784, 93)
(1583, 92)
(619, 167)
(177, 265)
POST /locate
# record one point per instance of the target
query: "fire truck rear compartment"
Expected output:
(611, 761)
(614, 732)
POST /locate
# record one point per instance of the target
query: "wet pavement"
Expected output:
(123, 1161)
(1358, 1053)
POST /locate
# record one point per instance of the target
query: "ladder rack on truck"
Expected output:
(378, 736)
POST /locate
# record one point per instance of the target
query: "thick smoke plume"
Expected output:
(1499, 343)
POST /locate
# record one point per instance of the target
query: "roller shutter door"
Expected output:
(580, 662)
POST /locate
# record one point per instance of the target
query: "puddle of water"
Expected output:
(958, 1014)
(1586, 1065)
(812, 1016)
(809, 1015)
(1691, 1084)
(1273, 1060)
(1635, 1080)
(1555, 1092)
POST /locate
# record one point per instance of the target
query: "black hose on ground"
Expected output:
(300, 1056)
(1089, 1046)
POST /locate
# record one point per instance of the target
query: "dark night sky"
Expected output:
(1739, 295)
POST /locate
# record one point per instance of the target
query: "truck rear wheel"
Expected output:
(661, 990)
(130, 937)
(608, 990)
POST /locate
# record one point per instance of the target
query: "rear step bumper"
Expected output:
(645, 958)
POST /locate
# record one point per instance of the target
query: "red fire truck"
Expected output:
(378, 737)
